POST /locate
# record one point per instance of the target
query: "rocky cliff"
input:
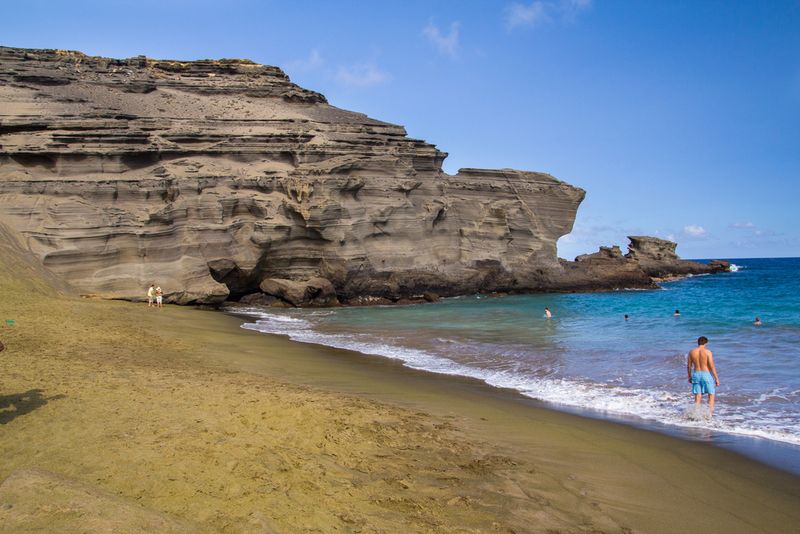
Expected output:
(214, 177)
(649, 260)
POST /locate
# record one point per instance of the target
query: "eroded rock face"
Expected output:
(314, 292)
(658, 259)
(646, 248)
(605, 269)
(209, 177)
(649, 260)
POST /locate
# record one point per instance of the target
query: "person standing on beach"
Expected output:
(700, 367)
(159, 297)
(151, 293)
(547, 313)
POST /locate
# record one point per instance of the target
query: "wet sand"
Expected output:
(183, 413)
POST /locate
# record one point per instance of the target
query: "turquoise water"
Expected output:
(587, 358)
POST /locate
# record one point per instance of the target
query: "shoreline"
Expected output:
(493, 412)
(773, 453)
(183, 412)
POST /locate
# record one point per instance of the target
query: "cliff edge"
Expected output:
(213, 178)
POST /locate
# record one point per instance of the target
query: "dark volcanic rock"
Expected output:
(603, 270)
(719, 266)
(314, 292)
(368, 300)
(649, 260)
(658, 259)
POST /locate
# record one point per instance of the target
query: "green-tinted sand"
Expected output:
(184, 413)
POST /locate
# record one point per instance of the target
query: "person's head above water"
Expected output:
(702, 340)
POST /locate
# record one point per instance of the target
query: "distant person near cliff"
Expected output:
(159, 297)
(151, 293)
(700, 368)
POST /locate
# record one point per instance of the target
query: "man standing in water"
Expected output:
(700, 367)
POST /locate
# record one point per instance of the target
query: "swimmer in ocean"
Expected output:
(757, 322)
(700, 368)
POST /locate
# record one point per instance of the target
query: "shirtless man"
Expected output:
(700, 367)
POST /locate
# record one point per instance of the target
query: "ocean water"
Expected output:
(588, 359)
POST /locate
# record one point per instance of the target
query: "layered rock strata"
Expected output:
(658, 259)
(218, 178)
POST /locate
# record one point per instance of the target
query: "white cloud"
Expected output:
(750, 229)
(531, 15)
(361, 75)
(570, 9)
(447, 45)
(575, 5)
(311, 63)
(693, 230)
(541, 12)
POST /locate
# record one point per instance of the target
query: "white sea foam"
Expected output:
(612, 400)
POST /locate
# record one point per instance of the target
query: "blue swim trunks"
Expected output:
(702, 382)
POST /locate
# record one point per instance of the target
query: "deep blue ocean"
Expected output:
(588, 359)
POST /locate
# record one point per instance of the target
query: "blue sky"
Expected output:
(681, 119)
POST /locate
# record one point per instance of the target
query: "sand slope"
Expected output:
(93, 392)
(126, 401)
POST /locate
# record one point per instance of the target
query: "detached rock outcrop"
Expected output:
(649, 260)
(602, 270)
(658, 259)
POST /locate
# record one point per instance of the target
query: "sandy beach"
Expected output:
(180, 416)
